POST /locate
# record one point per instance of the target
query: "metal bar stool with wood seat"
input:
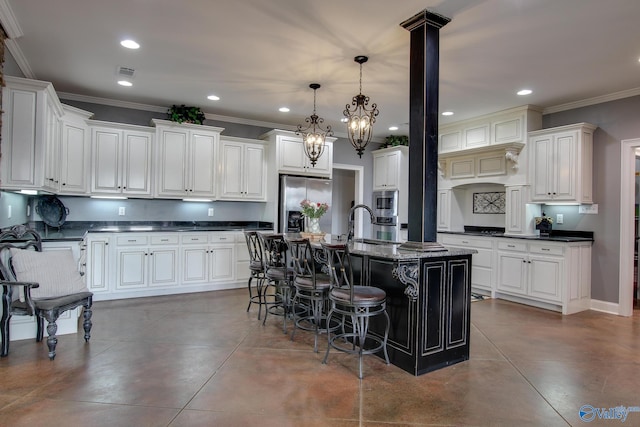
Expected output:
(311, 299)
(278, 273)
(359, 303)
(256, 269)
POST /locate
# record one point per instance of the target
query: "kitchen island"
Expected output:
(428, 301)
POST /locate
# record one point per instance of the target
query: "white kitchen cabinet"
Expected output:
(122, 159)
(243, 170)
(561, 163)
(506, 128)
(98, 264)
(291, 158)
(242, 272)
(391, 169)
(482, 264)
(519, 214)
(208, 258)
(186, 165)
(75, 152)
(444, 210)
(553, 275)
(144, 261)
(129, 265)
(30, 132)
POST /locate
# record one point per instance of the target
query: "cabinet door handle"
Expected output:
(164, 240)
(546, 249)
(131, 240)
(464, 241)
(511, 246)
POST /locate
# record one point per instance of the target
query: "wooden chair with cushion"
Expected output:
(41, 284)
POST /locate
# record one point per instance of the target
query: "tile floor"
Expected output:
(201, 360)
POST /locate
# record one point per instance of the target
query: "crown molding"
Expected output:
(9, 21)
(159, 109)
(21, 60)
(592, 101)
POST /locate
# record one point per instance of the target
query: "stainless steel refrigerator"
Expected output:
(293, 190)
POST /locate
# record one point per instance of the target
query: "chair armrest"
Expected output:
(23, 284)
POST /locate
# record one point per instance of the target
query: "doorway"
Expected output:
(348, 189)
(627, 225)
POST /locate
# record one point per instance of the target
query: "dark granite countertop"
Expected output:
(555, 236)
(389, 250)
(76, 230)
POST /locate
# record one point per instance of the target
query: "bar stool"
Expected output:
(256, 268)
(359, 303)
(279, 274)
(311, 299)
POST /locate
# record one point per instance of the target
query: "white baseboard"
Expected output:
(605, 306)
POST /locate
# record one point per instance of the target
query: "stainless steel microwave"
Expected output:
(385, 203)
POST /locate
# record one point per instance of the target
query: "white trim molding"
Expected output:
(605, 306)
(627, 218)
(9, 21)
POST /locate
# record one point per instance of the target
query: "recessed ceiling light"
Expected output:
(124, 83)
(213, 98)
(447, 113)
(129, 44)
(393, 128)
(283, 109)
(525, 92)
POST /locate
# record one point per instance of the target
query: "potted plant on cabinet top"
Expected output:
(184, 114)
(395, 140)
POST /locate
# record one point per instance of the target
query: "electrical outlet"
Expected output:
(559, 218)
(121, 210)
(588, 209)
(210, 212)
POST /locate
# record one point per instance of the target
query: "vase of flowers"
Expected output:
(313, 211)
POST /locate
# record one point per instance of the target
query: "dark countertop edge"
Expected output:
(77, 230)
(566, 236)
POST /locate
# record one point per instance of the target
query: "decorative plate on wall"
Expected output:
(489, 203)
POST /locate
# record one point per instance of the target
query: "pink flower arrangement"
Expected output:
(313, 209)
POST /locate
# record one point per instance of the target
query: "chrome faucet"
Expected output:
(351, 223)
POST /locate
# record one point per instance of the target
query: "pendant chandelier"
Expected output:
(313, 136)
(360, 119)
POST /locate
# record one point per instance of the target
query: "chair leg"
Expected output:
(39, 328)
(250, 293)
(4, 326)
(87, 323)
(386, 336)
(326, 355)
(52, 340)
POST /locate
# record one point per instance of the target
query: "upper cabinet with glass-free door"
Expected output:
(561, 163)
(243, 169)
(186, 160)
(122, 159)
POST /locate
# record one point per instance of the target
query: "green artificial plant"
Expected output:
(395, 140)
(184, 114)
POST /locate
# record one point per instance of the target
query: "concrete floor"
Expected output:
(201, 360)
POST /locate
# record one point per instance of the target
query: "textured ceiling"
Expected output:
(260, 55)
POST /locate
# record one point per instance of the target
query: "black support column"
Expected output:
(423, 124)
